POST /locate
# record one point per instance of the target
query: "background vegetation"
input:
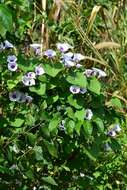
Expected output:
(34, 152)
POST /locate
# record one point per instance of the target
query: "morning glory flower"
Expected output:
(107, 147)
(39, 70)
(61, 126)
(12, 66)
(89, 73)
(82, 174)
(11, 59)
(36, 48)
(31, 75)
(63, 47)
(22, 98)
(28, 81)
(117, 128)
(78, 57)
(111, 133)
(99, 72)
(74, 89)
(14, 96)
(38, 51)
(28, 98)
(89, 114)
(83, 90)
(78, 65)
(7, 44)
(68, 55)
(69, 63)
(50, 53)
(67, 59)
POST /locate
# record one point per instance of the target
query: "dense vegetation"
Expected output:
(63, 94)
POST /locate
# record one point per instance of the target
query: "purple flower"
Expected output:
(62, 125)
(28, 81)
(99, 72)
(89, 73)
(88, 114)
(50, 53)
(28, 98)
(31, 75)
(63, 47)
(39, 70)
(14, 96)
(78, 57)
(74, 89)
(78, 65)
(117, 128)
(36, 48)
(22, 98)
(7, 44)
(69, 63)
(107, 147)
(111, 133)
(12, 66)
(68, 56)
(67, 59)
(11, 59)
(83, 90)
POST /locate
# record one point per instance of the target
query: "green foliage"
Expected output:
(95, 86)
(53, 137)
(5, 20)
(77, 78)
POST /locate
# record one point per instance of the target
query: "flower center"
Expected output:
(74, 89)
(14, 96)
(12, 66)
(61, 48)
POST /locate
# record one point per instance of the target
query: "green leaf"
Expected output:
(5, 19)
(29, 174)
(87, 128)
(18, 122)
(54, 123)
(80, 114)
(70, 125)
(53, 69)
(74, 102)
(97, 174)
(30, 120)
(11, 84)
(116, 102)
(70, 112)
(39, 90)
(51, 148)
(4, 169)
(78, 125)
(3, 122)
(49, 180)
(45, 131)
(52, 99)
(38, 153)
(95, 86)
(99, 124)
(89, 154)
(31, 138)
(77, 79)
(115, 145)
(2, 29)
(14, 81)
